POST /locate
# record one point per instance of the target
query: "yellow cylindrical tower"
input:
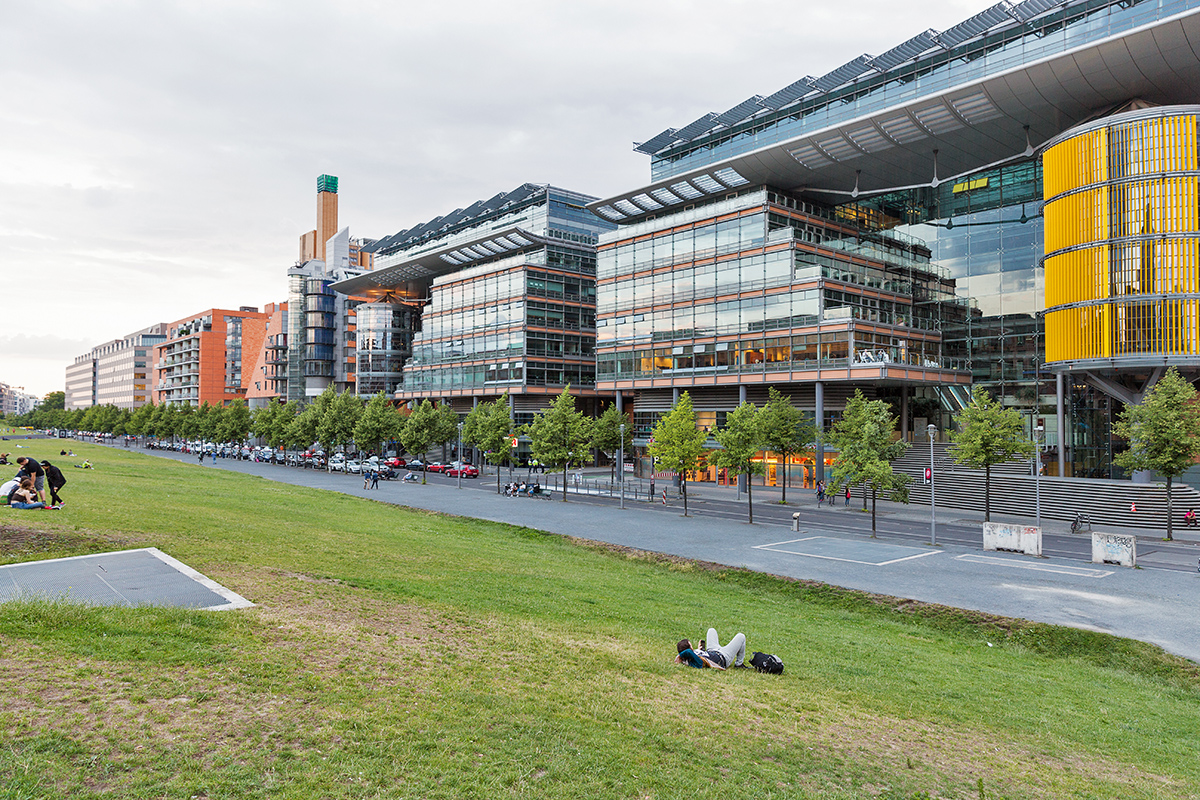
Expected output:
(1122, 225)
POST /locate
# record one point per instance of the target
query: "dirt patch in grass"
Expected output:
(20, 543)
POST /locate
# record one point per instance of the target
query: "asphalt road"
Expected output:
(1154, 603)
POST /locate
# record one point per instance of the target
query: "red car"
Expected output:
(436, 466)
(467, 471)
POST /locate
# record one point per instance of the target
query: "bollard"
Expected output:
(796, 521)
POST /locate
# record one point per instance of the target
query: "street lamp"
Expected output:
(621, 463)
(1037, 470)
(932, 429)
(460, 456)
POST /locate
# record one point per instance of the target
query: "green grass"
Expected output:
(399, 653)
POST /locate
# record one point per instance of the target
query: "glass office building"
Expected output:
(939, 140)
(500, 297)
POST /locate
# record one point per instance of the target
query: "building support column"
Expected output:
(674, 395)
(820, 421)
(620, 402)
(1063, 438)
(741, 394)
(904, 413)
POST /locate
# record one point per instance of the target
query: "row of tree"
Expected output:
(1163, 433)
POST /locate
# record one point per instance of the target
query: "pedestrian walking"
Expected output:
(820, 492)
(366, 478)
(847, 494)
(374, 479)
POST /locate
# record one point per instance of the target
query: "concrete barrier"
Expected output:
(1114, 548)
(1025, 539)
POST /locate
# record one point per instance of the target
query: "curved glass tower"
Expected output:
(1122, 233)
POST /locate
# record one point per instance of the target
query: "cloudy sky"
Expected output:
(160, 158)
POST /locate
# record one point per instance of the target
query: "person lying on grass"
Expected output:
(711, 653)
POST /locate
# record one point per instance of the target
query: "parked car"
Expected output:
(466, 470)
(354, 466)
(416, 464)
(436, 466)
(394, 462)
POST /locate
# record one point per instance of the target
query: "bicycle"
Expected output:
(1080, 522)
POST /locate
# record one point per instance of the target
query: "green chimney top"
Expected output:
(327, 183)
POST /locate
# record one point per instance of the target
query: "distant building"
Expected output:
(268, 377)
(14, 400)
(320, 323)
(115, 373)
(498, 296)
(209, 357)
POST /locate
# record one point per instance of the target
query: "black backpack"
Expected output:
(765, 662)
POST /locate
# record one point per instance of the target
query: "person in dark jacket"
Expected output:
(34, 470)
(55, 480)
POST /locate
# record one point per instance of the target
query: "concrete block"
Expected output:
(1114, 548)
(1025, 539)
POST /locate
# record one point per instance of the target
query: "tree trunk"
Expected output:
(872, 511)
(864, 497)
(564, 481)
(987, 493)
(497, 479)
(683, 491)
(783, 486)
(1169, 515)
(749, 500)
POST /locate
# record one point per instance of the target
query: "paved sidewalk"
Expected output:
(1154, 605)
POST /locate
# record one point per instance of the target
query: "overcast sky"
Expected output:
(160, 158)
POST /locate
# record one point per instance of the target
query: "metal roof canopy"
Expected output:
(145, 577)
(414, 275)
(992, 120)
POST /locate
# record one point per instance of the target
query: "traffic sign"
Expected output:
(513, 443)
(928, 475)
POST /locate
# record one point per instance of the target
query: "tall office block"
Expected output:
(938, 142)
(119, 372)
(498, 296)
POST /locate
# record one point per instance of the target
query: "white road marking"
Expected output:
(775, 547)
(1079, 572)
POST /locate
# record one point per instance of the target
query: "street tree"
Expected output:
(234, 422)
(140, 420)
(489, 428)
(262, 421)
(560, 435)
(208, 417)
(420, 431)
(1163, 432)
(740, 442)
(446, 427)
(606, 434)
(988, 434)
(866, 444)
(338, 419)
(786, 431)
(281, 423)
(677, 444)
(378, 424)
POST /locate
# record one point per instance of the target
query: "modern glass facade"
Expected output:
(384, 333)
(763, 288)
(1065, 86)
(506, 290)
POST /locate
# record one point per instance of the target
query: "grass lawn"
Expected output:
(398, 653)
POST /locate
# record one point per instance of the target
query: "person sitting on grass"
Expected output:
(26, 497)
(711, 653)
